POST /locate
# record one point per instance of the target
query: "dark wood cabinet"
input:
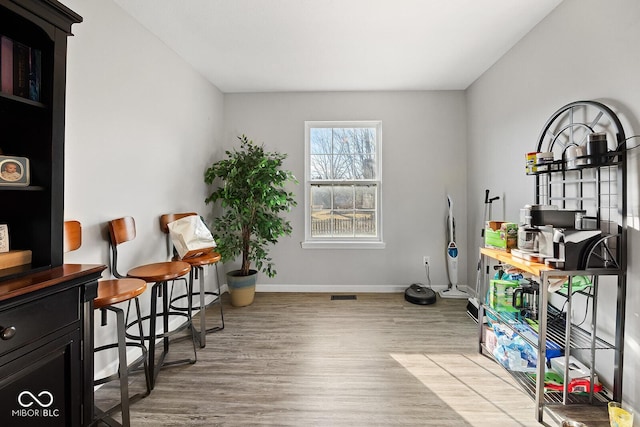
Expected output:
(46, 307)
(32, 127)
(46, 347)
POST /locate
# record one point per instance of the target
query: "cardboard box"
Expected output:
(14, 258)
(501, 235)
(489, 338)
(576, 368)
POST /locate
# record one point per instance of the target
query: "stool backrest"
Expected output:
(72, 236)
(167, 218)
(121, 230)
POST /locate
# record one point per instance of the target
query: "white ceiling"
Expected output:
(339, 45)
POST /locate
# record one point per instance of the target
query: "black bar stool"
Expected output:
(198, 265)
(111, 292)
(122, 230)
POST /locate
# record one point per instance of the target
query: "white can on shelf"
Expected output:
(543, 160)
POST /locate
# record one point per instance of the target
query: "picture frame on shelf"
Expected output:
(4, 238)
(14, 171)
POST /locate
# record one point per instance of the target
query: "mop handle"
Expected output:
(488, 200)
(487, 210)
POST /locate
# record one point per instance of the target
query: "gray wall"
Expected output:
(423, 158)
(141, 128)
(585, 49)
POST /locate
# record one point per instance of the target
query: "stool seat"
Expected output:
(202, 260)
(160, 271)
(114, 291)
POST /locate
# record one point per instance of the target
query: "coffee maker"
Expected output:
(525, 299)
(549, 235)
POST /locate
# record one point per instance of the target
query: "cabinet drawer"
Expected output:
(35, 319)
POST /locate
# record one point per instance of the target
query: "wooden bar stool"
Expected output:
(197, 272)
(111, 292)
(122, 230)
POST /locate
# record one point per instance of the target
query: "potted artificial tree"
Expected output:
(252, 196)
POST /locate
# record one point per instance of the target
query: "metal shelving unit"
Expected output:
(596, 185)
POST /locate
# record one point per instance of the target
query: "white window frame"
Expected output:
(373, 242)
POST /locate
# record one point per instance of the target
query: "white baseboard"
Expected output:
(336, 288)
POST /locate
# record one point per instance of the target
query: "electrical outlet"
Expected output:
(426, 260)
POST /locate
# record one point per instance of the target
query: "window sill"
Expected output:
(343, 245)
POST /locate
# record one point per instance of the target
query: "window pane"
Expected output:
(320, 141)
(321, 223)
(366, 197)
(343, 197)
(320, 165)
(320, 197)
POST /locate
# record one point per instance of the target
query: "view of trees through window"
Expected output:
(344, 187)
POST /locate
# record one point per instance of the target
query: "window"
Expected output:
(342, 185)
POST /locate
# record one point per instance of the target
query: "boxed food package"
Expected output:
(501, 235)
(501, 295)
(489, 338)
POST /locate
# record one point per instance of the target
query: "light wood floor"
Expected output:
(305, 360)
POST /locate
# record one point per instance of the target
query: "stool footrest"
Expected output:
(194, 307)
(133, 366)
(157, 335)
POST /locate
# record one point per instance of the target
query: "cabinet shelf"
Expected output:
(25, 188)
(21, 100)
(528, 383)
(612, 158)
(579, 339)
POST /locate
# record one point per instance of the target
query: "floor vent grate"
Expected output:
(342, 297)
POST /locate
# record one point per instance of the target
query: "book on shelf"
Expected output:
(6, 65)
(35, 74)
(20, 69)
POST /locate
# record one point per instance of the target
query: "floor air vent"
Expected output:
(342, 297)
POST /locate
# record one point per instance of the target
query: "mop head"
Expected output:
(454, 292)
